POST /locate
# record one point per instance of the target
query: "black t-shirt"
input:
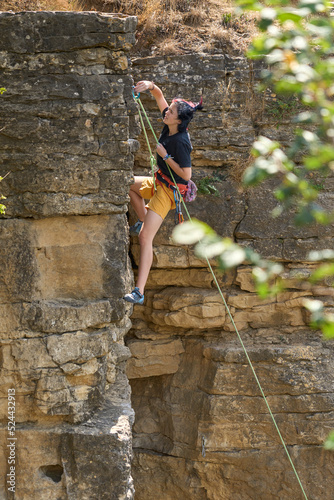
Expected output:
(179, 147)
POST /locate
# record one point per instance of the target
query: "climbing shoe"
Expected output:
(135, 229)
(135, 297)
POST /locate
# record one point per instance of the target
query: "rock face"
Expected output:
(202, 430)
(66, 119)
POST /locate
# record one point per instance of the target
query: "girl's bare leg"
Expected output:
(152, 223)
(137, 201)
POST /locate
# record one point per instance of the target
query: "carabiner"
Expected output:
(133, 94)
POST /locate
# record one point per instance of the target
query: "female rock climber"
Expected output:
(174, 148)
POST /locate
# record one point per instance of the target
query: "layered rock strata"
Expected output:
(64, 137)
(202, 430)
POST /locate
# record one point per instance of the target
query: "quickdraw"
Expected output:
(179, 219)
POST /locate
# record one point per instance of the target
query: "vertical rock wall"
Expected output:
(202, 430)
(65, 123)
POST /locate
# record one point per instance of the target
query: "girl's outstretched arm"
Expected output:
(155, 91)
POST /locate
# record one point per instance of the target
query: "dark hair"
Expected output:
(185, 112)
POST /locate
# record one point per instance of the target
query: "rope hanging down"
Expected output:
(141, 108)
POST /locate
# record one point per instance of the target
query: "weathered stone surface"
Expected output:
(204, 431)
(151, 359)
(64, 267)
(187, 308)
(66, 135)
(90, 460)
(63, 258)
(173, 477)
(231, 424)
(258, 222)
(24, 32)
(65, 117)
(180, 277)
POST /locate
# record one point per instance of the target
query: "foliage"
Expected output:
(232, 21)
(282, 107)
(329, 443)
(2, 207)
(299, 50)
(206, 185)
(297, 43)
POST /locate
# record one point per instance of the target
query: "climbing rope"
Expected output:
(180, 197)
(153, 161)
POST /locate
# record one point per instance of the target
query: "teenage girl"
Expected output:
(174, 148)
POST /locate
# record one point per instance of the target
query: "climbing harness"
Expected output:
(183, 188)
(182, 200)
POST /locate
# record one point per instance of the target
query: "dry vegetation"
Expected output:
(167, 26)
(22, 5)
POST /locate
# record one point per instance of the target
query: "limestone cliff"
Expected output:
(64, 267)
(202, 430)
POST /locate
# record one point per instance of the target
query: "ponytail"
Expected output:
(199, 105)
(186, 110)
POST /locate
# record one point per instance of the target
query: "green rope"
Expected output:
(257, 380)
(226, 306)
(153, 161)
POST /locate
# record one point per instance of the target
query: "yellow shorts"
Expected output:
(161, 201)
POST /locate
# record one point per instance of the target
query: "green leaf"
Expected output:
(260, 275)
(288, 85)
(304, 73)
(264, 146)
(314, 306)
(210, 247)
(328, 327)
(304, 217)
(189, 233)
(248, 5)
(305, 117)
(322, 272)
(329, 443)
(316, 255)
(319, 30)
(275, 56)
(262, 289)
(289, 16)
(232, 257)
(313, 5)
(253, 175)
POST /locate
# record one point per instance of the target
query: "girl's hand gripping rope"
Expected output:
(161, 150)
